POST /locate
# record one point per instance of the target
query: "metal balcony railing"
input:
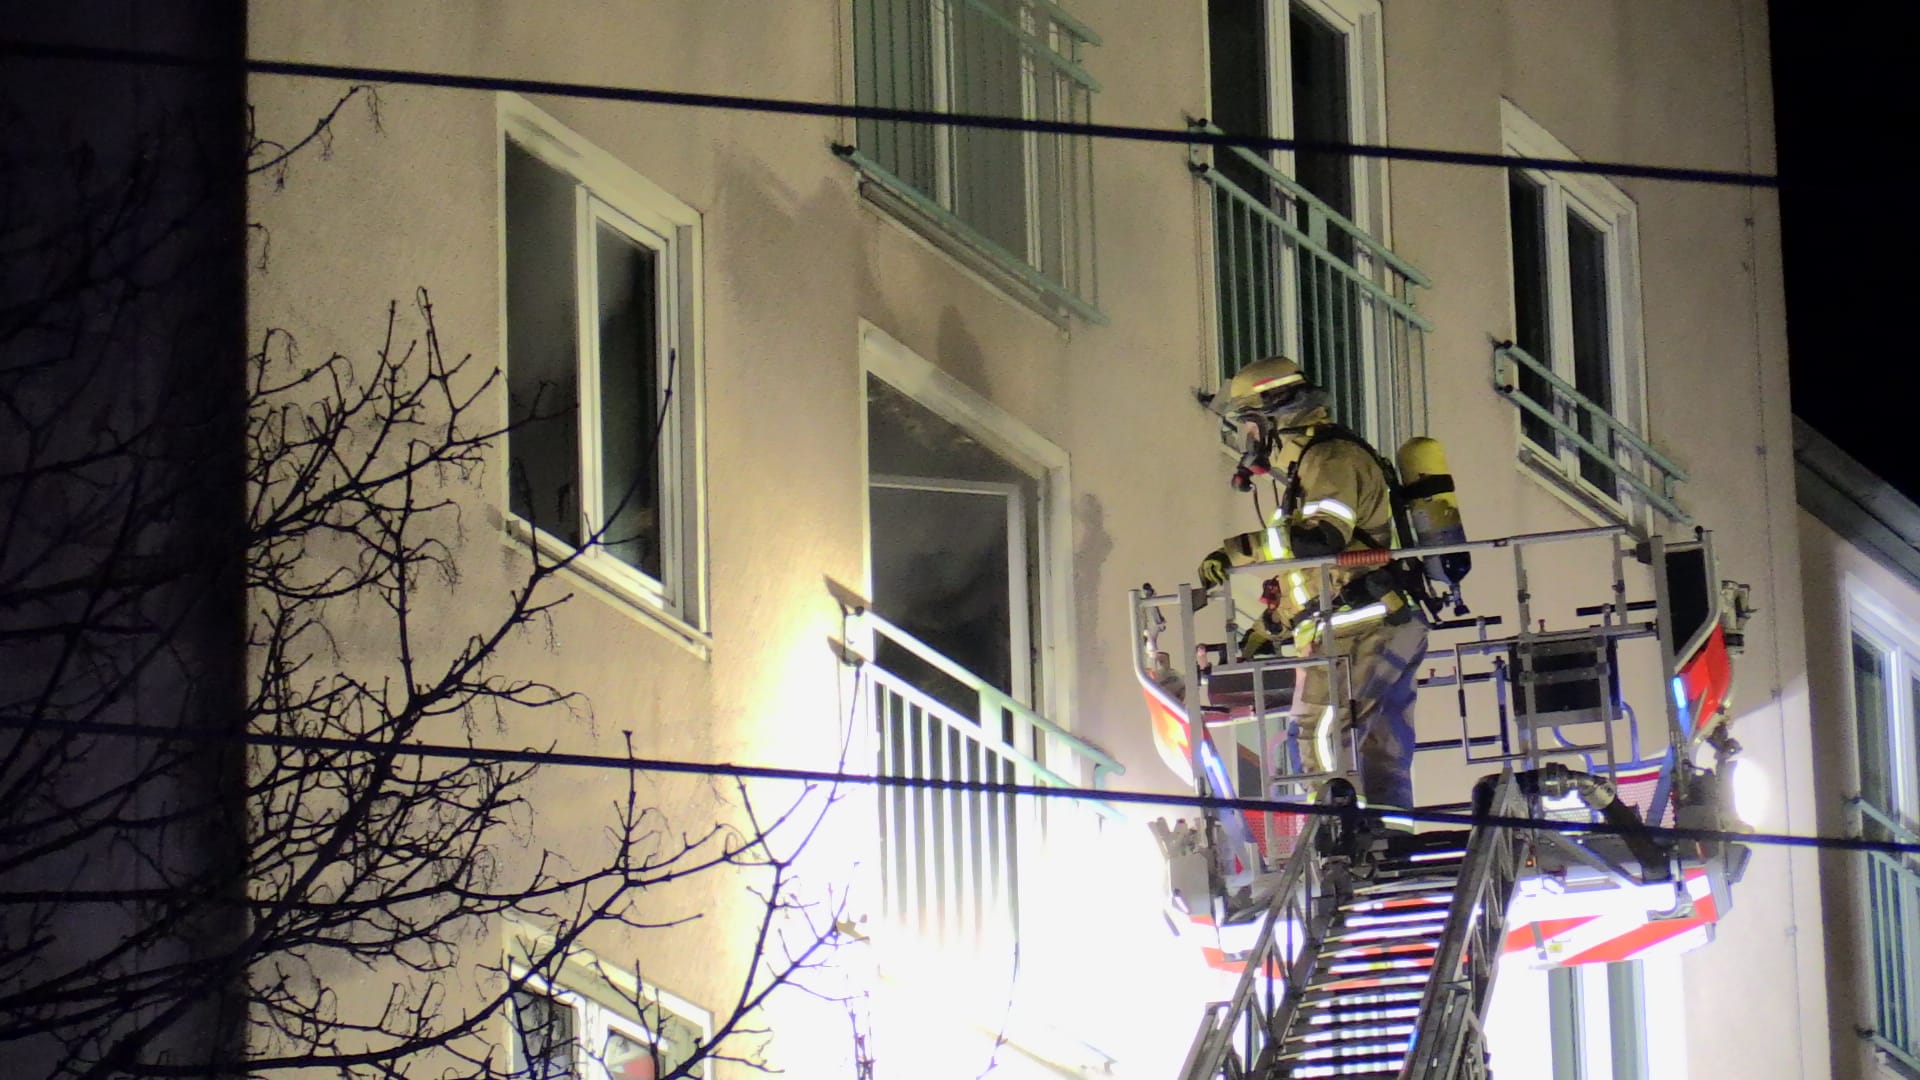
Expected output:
(1293, 275)
(1893, 912)
(1589, 442)
(1015, 204)
(953, 862)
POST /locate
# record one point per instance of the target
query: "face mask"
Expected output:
(1256, 459)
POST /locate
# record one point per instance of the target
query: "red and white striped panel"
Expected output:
(1603, 926)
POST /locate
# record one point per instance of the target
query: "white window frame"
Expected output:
(609, 192)
(1871, 618)
(885, 358)
(1603, 205)
(594, 1021)
(1013, 271)
(1019, 600)
(1361, 22)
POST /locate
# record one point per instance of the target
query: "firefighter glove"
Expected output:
(1213, 568)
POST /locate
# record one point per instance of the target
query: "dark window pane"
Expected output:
(940, 566)
(893, 68)
(1872, 731)
(1244, 245)
(543, 1037)
(1329, 302)
(1322, 112)
(628, 278)
(1592, 341)
(1526, 202)
(1237, 54)
(990, 167)
(543, 381)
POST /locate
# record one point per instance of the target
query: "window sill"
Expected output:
(996, 267)
(610, 590)
(1576, 495)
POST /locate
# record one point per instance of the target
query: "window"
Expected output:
(1575, 256)
(1300, 267)
(1886, 725)
(603, 365)
(559, 1034)
(1014, 205)
(1886, 720)
(1598, 1021)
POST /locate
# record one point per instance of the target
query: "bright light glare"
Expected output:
(1752, 794)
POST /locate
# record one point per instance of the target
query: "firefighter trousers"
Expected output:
(1383, 658)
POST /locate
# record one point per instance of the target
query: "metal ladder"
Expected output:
(1386, 976)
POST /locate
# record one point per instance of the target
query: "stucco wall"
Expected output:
(795, 259)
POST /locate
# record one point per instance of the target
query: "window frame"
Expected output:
(1053, 667)
(608, 192)
(1899, 646)
(1360, 21)
(593, 1023)
(1362, 24)
(1598, 1021)
(1604, 206)
(933, 211)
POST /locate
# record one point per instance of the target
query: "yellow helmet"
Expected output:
(1275, 388)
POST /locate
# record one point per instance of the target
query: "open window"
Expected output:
(603, 366)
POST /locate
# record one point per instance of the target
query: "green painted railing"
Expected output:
(1294, 276)
(1014, 204)
(953, 862)
(1893, 911)
(1626, 456)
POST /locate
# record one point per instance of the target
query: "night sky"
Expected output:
(1844, 94)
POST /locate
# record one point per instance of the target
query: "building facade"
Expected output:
(859, 431)
(1862, 603)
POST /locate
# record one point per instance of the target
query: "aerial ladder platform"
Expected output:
(1359, 951)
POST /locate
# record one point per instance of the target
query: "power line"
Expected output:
(795, 107)
(495, 755)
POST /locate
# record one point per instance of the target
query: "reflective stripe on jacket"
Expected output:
(1337, 482)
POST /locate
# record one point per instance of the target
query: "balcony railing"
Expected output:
(1893, 913)
(953, 862)
(1293, 275)
(1015, 205)
(1587, 437)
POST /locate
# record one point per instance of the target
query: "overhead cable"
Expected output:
(503, 756)
(795, 107)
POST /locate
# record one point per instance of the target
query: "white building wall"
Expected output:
(795, 260)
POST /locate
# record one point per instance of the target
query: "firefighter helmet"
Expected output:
(1274, 388)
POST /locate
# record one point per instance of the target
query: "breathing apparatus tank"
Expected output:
(1433, 511)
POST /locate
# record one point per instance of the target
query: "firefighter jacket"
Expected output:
(1334, 482)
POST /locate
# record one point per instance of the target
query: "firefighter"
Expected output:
(1334, 496)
